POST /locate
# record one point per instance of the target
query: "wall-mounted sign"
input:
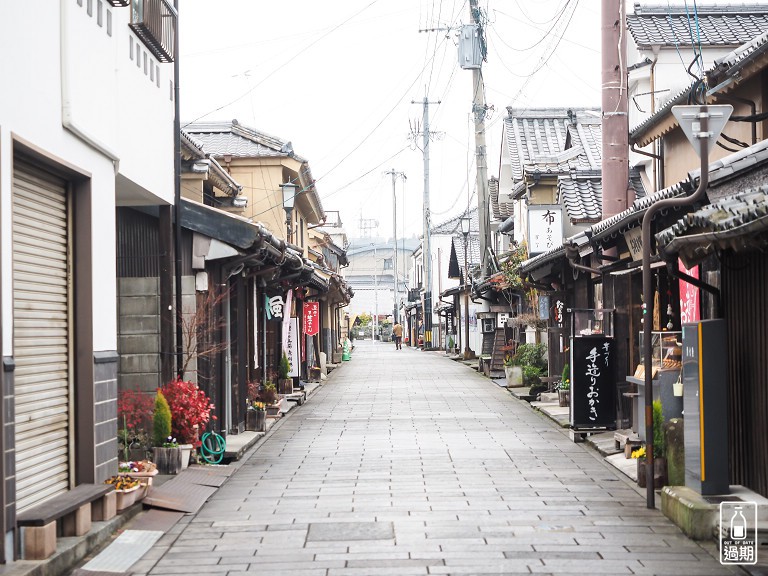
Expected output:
(689, 296)
(593, 389)
(634, 239)
(291, 345)
(311, 318)
(274, 307)
(545, 228)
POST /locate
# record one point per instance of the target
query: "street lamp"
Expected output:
(465, 224)
(289, 199)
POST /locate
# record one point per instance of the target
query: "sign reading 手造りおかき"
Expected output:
(593, 390)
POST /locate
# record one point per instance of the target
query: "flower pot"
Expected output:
(514, 376)
(186, 452)
(641, 478)
(255, 420)
(273, 410)
(127, 497)
(285, 386)
(168, 460)
(564, 397)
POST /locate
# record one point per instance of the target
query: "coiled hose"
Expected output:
(212, 447)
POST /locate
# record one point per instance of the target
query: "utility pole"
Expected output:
(479, 109)
(394, 175)
(426, 254)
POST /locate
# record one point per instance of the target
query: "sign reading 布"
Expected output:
(545, 228)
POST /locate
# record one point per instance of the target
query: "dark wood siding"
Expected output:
(138, 245)
(745, 277)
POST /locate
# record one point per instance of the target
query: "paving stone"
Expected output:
(414, 464)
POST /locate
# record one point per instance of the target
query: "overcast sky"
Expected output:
(338, 78)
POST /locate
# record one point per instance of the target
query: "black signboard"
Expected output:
(593, 385)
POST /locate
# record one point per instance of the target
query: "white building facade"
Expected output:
(86, 124)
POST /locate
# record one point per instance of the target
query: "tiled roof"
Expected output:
(234, 139)
(728, 66)
(500, 210)
(453, 226)
(739, 222)
(709, 25)
(473, 250)
(539, 139)
(581, 194)
(736, 59)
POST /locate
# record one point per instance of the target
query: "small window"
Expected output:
(152, 70)
(146, 59)
(130, 45)
(99, 13)
(79, 2)
(109, 22)
(387, 263)
(89, 7)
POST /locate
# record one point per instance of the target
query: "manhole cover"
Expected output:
(341, 531)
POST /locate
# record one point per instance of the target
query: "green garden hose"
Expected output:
(212, 447)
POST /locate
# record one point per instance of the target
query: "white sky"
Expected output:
(337, 79)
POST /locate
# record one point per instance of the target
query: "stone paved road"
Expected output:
(408, 463)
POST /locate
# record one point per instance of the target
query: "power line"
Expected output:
(279, 68)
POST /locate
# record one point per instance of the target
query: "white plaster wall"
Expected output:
(119, 112)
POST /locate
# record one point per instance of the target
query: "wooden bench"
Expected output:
(73, 510)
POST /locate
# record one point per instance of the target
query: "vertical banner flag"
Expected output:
(311, 318)
(287, 323)
(292, 350)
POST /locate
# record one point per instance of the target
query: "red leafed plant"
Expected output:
(134, 410)
(190, 410)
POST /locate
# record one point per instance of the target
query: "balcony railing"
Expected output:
(154, 21)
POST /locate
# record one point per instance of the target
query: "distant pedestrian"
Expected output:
(397, 332)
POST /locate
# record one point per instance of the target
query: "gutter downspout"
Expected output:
(652, 81)
(572, 254)
(648, 289)
(177, 196)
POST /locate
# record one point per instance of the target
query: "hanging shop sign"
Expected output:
(634, 239)
(689, 296)
(593, 389)
(311, 318)
(274, 307)
(545, 228)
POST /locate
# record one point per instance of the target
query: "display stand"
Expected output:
(592, 373)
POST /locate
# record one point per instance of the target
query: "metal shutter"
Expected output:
(41, 334)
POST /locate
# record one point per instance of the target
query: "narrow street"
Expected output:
(405, 462)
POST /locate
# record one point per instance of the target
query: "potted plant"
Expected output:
(564, 388)
(134, 416)
(128, 490)
(167, 454)
(190, 412)
(255, 414)
(268, 395)
(639, 455)
(284, 381)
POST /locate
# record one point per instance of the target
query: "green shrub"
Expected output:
(531, 376)
(532, 355)
(284, 368)
(161, 420)
(566, 372)
(659, 442)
